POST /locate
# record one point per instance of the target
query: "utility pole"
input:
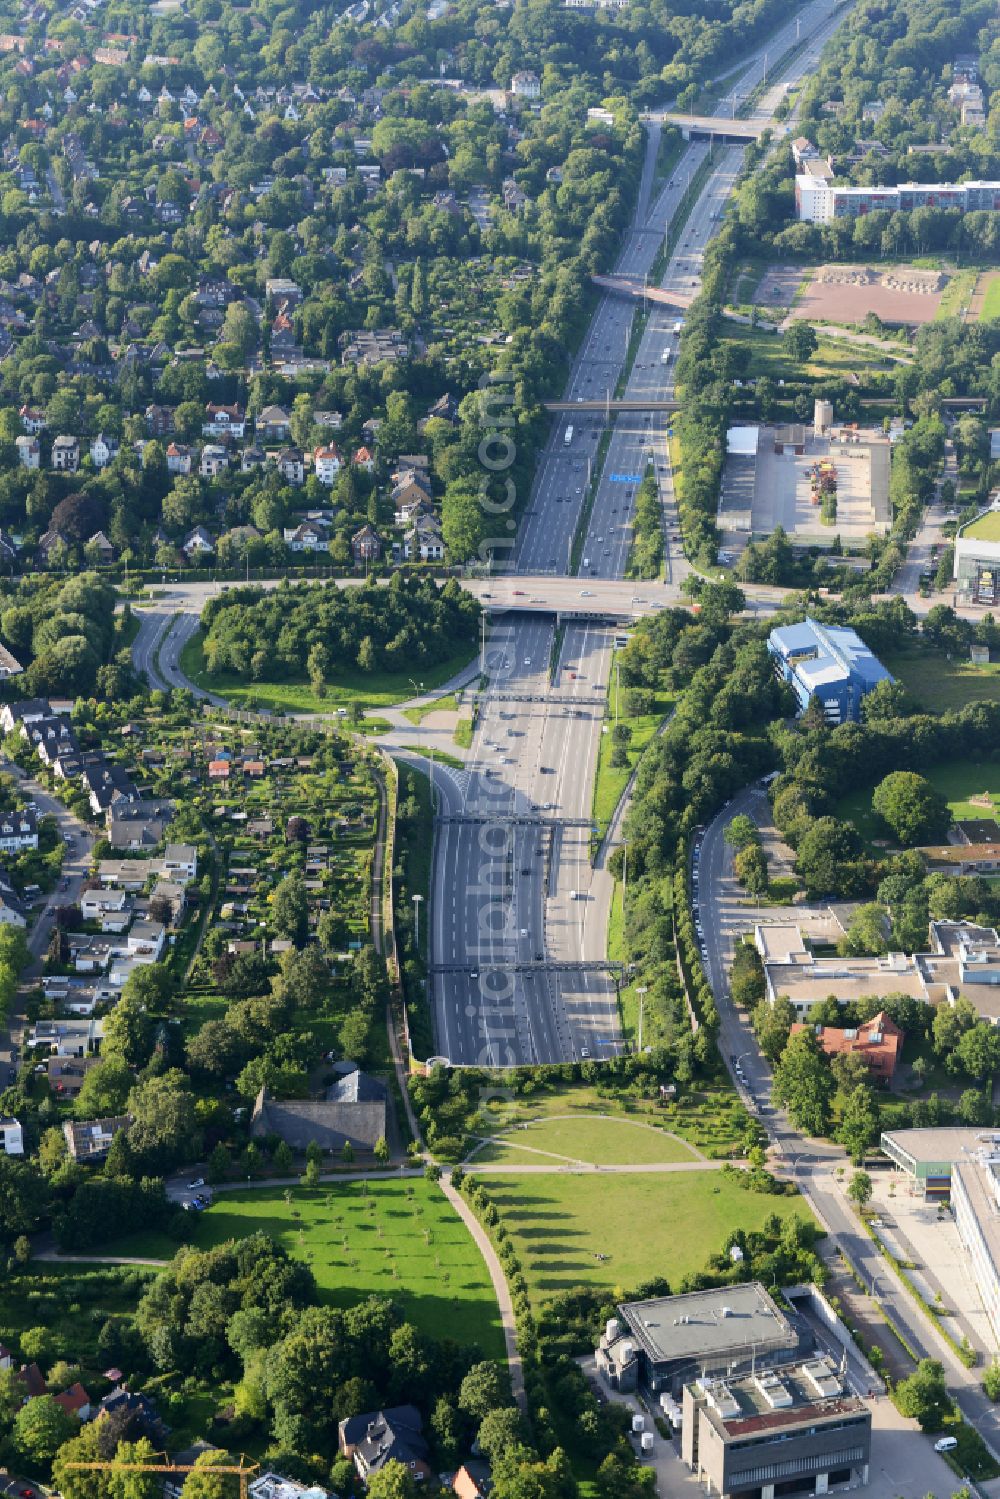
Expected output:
(416, 923)
(642, 991)
(482, 642)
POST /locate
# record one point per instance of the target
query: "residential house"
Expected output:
(12, 909)
(11, 1135)
(159, 420)
(10, 666)
(175, 897)
(32, 420)
(66, 454)
(90, 1139)
(110, 909)
(274, 424)
(125, 874)
(291, 465)
(75, 1402)
(879, 1043)
(138, 824)
(66, 1074)
(219, 770)
(473, 1480)
(50, 545)
(27, 711)
(29, 451)
(214, 461)
(143, 1417)
(327, 463)
(364, 458)
(18, 831)
(104, 450)
(307, 537)
(251, 458)
(101, 543)
(224, 421)
(353, 1108)
(282, 289)
(365, 545)
(380, 1437)
(424, 541)
(179, 457)
(179, 862)
(525, 85)
(271, 1485)
(67, 1038)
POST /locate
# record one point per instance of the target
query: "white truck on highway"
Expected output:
(568, 435)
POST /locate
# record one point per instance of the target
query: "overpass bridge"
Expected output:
(629, 286)
(714, 127)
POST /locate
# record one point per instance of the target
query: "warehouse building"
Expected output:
(659, 1345)
(828, 662)
(792, 1429)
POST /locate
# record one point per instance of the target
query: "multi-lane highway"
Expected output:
(518, 924)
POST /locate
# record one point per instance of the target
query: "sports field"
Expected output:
(593, 1140)
(960, 781)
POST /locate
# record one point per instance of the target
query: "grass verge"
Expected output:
(372, 690)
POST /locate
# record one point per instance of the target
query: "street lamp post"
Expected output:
(642, 991)
(416, 923)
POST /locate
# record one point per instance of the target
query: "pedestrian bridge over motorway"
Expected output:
(630, 286)
(714, 127)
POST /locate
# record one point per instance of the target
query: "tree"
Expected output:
(914, 810)
(866, 932)
(164, 1129)
(800, 341)
(978, 1051)
(290, 909)
(128, 1032)
(924, 1395)
(828, 859)
(773, 1024)
(859, 1188)
(483, 1389)
(859, 1123)
(741, 831)
(500, 1430)
(105, 1088)
(393, 1480)
(802, 1083)
(991, 1380)
(750, 866)
(41, 1427)
(382, 1150)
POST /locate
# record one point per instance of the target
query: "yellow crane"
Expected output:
(245, 1471)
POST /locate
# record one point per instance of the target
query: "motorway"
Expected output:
(506, 892)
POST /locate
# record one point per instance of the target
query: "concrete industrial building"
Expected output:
(976, 569)
(791, 1429)
(818, 200)
(827, 662)
(659, 1345)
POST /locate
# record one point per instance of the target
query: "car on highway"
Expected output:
(586, 593)
(527, 660)
(584, 1052)
(199, 1181)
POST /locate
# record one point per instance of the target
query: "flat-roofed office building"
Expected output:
(791, 1429)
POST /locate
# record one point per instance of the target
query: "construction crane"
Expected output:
(244, 1471)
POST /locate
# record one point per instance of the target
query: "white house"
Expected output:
(111, 909)
(29, 451)
(214, 461)
(103, 450)
(307, 538)
(222, 421)
(291, 465)
(11, 1138)
(178, 458)
(526, 85)
(18, 831)
(179, 863)
(327, 463)
(66, 454)
(198, 543)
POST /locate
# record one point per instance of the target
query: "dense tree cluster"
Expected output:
(321, 632)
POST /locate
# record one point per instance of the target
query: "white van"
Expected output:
(574, 895)
(945, 1444)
